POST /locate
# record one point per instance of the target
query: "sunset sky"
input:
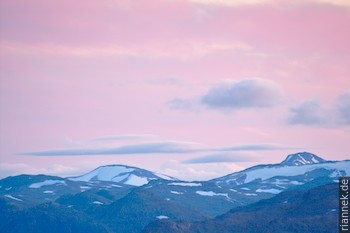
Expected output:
(194, 89)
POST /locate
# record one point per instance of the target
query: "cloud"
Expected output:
(221, 158)
(313, 112)
(233, 95)
(198, 171)
(231, 3)
(182, 51)
(248, 93)
(256, 147)
(310, 112)
(237, 3)
(181, 104)
(335, 2)
(342, 106)
(12, 169)
(125, 137)
(166, 147)
(184, 104)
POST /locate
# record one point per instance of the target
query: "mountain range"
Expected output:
(118, 198)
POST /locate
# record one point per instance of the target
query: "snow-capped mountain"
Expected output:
(121, 174)
(302, 158)
(126, 199)
(296, 169)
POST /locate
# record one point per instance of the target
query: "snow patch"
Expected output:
(46, 183)
(174, 192)
(136, 180)
(296, 182)
(49, 192)
(250, 194)
(274, 191)
(186, 184)
(12, 197)
(288, 158)
(314, 160)
(97, 203)
(283, 182)
(211, 193)
(335, 174)
(269, 172)
(106, 173)
(303, 161)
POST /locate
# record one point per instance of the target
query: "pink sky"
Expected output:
(203, 74)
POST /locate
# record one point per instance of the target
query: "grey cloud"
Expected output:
(168, 147)
(309, 113)
(125, 137)
(249, 93)
(220, 158)
(312, 112)
(342, 106)
(143, 148)
(256, 147)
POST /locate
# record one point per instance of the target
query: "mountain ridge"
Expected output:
(105, 195)
(308, 211)
(302, 158)
(121, 174)
(296, 159)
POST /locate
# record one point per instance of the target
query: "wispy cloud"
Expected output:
(314, 113)
(256, 147)
(231, 3)
(11, 169)
(221, 158)
(125, 137)
(237, 3)
(182, 104)
(166, 147)
(198, 171)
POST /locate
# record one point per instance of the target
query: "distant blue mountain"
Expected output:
(307, 211)
(118, 198)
